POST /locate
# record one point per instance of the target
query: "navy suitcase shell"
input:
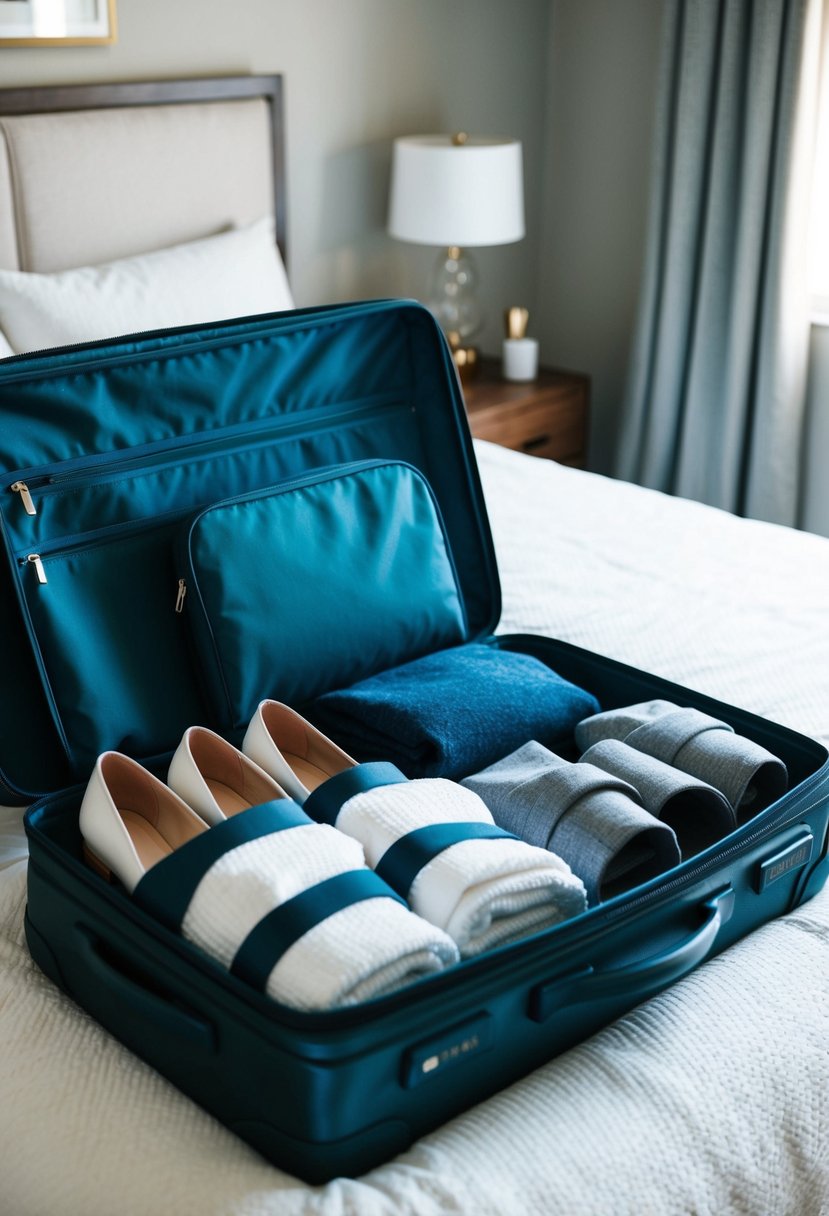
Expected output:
(111, 454)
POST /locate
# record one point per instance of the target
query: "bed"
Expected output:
(713, 1096)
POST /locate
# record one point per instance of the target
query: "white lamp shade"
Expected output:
(448, 194)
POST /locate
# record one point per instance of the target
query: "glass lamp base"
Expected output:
(453, 299)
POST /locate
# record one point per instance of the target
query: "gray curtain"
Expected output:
(715, 402)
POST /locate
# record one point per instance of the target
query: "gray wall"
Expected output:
(571, 78)
(357, 73)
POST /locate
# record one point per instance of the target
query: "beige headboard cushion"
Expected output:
(82, 187)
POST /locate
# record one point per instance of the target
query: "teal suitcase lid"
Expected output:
(109, 435)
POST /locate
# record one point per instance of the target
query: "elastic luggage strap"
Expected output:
(167, 887)
(276, 932)
(402, 862)
(328, 799)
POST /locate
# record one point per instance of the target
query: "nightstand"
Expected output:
(544, 417)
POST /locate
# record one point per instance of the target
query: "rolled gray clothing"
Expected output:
(590, 818)
(618, 723)
(698, 814)
(747, 774)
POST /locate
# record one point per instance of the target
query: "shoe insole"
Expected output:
(311, 775)
(150, 845)
(229, 800)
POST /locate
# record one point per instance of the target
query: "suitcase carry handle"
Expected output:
(637, 979)
(143, 1003)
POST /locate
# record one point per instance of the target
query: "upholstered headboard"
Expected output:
(91, 173)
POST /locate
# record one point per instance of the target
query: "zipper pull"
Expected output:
(34, 560)
(182, 592)
(20, 487)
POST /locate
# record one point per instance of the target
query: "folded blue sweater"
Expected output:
(453, 712)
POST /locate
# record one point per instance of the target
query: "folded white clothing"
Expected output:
(289, 906)
(438, 846)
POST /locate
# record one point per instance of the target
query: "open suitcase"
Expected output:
(116, 445)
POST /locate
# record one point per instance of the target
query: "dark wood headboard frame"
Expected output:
(51, 99)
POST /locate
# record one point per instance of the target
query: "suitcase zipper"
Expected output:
(20, 487)
(34, 560)
(101, 536)
(88, 540)
(147, 459)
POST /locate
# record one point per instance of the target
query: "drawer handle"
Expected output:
(539, 441)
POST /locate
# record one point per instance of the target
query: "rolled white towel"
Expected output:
(438, 846)
(289, 905)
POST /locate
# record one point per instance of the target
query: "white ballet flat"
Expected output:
(130, 820)
(216, 779)
(291, 750)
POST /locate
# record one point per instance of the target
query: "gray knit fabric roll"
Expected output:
(698, 814)
(592, 819)
(748, 775)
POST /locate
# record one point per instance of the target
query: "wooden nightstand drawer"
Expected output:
(544, 417)
(556, 432)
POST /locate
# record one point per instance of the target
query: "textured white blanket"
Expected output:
(710, 1098)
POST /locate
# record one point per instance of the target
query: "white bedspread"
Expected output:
(733, 607)
(711, 1098)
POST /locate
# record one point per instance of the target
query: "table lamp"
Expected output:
(456, 191)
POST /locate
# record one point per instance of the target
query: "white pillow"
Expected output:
(235, 274)
(5, 349)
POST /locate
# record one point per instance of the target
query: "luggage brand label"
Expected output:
(785, 862)
(450, 1053)
(460, 1043)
